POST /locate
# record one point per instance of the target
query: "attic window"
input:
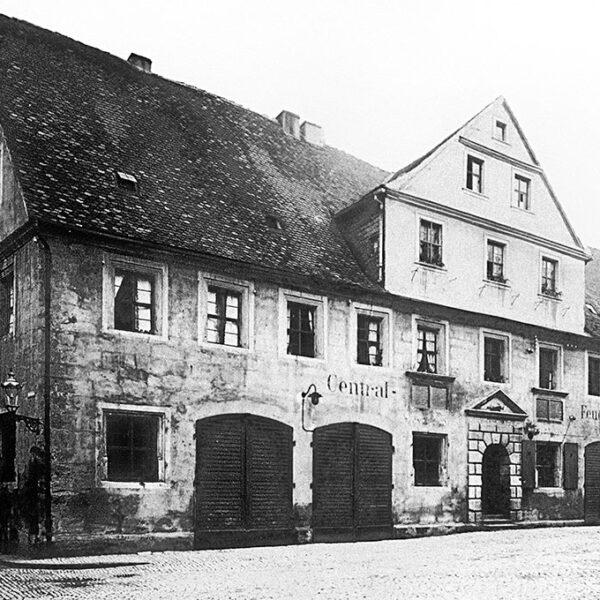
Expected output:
(592, 310)
(500, 131)
(273, 222)
(127, 182)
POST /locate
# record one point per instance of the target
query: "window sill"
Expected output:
(134, 485)
(424, 377)
(384, 368)
(527, 211)
(224, 348)
(309, 360)
(488, 382)
(479, 195)
(554, 490)
(550, 421)
(550, 297)
(498, 284)
(547, 392)
(159, 337)
(431, 266)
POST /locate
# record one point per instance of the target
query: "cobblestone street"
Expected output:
(552, 563)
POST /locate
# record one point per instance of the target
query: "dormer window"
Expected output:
(273, 222)
(499, 131)
(126, 181)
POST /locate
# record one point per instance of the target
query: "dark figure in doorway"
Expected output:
(31, 494)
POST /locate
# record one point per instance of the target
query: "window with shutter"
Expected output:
(570, 466)
(528, 460)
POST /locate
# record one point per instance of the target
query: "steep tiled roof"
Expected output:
(208, 169)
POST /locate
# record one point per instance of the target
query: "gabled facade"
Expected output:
(239, 335)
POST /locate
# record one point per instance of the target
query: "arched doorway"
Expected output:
(243, 481)
(352, 483)
(592, 483)
(495, 482)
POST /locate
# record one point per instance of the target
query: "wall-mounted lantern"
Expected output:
(11, 389)
(314, 397)
(530, 429)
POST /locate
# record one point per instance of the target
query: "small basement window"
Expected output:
(127, 181)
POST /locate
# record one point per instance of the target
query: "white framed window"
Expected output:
(550, 366)
(550, 277)
(302, 325)
(430, 250)
(475, 174)
(370, 335)
(496, 253)
(430, 345)
(495, 350)
(135, 298)
(521, 192)
(134, 445)
(226, 312)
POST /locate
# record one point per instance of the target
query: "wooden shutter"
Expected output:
(220, 473)
(333, 477)
(528, 464)
(570, 466)
(268, 474)
(374, 478)
(592, 483)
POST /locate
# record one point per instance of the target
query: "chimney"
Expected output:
(141, 62)
(290, 123)
(311, 133)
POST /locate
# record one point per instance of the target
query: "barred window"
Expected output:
(427, 459)
(132, 446)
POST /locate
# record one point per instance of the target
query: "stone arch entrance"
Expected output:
(495, 482)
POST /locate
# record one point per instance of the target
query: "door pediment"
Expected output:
(497, 405)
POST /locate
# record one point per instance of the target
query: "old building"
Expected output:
(238, 334)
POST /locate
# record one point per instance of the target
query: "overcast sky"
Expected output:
(385, 79)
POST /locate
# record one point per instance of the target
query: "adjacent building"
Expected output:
(240, 335)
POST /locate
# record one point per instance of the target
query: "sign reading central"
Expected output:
(354, 388)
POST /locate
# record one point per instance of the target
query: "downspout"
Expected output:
(47, 356)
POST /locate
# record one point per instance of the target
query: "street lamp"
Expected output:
(11, 389)
(314, 397)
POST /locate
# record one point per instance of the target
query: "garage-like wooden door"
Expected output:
(592, 483)
(352, 482)
(243, 481)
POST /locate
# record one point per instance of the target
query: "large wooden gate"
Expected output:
(592, 483)
(243, 481)
(352, 482)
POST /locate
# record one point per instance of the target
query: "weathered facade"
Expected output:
(237, 334)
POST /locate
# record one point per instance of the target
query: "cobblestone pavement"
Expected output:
(517, 564)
